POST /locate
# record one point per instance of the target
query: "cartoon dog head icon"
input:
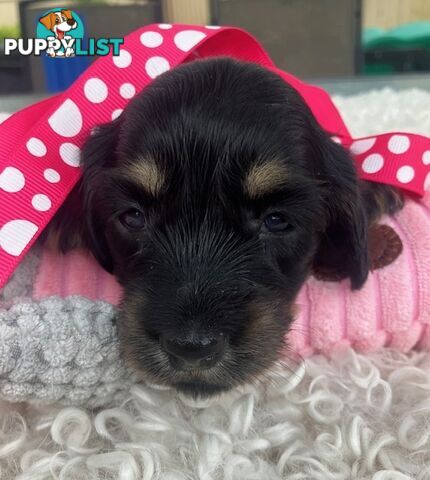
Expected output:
(59, 22)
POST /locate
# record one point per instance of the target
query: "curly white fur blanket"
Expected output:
(350, 417)
(353, 417)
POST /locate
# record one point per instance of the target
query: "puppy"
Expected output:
(59, 23)
(211, 199)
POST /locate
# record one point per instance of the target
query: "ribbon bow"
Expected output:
(40, 145)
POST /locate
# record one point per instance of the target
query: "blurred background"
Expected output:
(344, 45)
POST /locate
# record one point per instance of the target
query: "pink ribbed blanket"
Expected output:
(392, 309)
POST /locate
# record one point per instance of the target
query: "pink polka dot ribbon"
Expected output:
(399, 159)
(40, 145)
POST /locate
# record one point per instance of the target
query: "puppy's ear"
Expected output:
(67, 14)
(343, 251)
(79, 223)
(48, 20)
(98, 154)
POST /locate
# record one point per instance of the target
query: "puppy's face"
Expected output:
(211, 198)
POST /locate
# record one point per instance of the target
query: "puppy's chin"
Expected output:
(151, 364)
(198, 384)
(198, 389)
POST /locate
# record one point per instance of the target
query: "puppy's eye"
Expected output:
(133, 219)
(277, 223)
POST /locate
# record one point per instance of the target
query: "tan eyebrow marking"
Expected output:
(146, 173)
(264, 177)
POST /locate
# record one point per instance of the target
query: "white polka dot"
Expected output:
(373, 163)
(12, 180)
(66, 120)
(151, 39)
(164, 26)
(4, 117)
(362, 146)
(336, 139)
(399, 144)
(36, 147)
(405, 174)
(15, 236)
(122, 60)
(70, 154)
(127, 90)
(51, 175)
(156, 66)
(213, 27)
(41, 202)
(426, 157)
(187, 39)
(427, 183)
(96, 90)
(116, 113)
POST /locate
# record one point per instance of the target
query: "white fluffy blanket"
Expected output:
(349, 417)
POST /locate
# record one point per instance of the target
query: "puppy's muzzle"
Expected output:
(194, 351)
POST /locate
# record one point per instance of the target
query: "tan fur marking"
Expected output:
(386, 201)
(265, 177)
(263, 326)
(147, 174)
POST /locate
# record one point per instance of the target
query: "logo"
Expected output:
(60, 29)
(60, 34)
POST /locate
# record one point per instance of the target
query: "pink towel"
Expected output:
(392, 309)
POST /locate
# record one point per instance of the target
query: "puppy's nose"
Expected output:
(194, 352)
(70, 22)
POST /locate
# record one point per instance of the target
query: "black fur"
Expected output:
(203, 262)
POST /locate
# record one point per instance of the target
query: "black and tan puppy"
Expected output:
(211, 199)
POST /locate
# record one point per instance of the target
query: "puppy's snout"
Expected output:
(71, 22)
(197, 351)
